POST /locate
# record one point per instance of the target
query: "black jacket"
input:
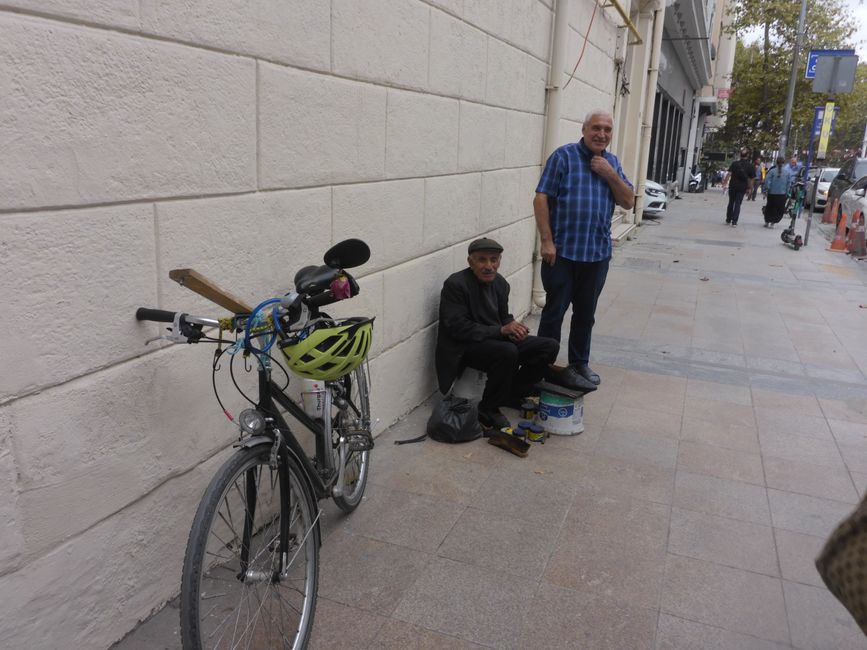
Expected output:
(459, 324)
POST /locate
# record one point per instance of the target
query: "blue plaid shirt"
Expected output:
(580, 203)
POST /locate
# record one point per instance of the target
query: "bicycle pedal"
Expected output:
(360, 441)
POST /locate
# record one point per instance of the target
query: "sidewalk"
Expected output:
(728, 438)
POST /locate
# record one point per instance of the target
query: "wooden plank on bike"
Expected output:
(195, 281)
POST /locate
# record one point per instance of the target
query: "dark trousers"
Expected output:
(578, 284)
(512, 367)
(733, 211)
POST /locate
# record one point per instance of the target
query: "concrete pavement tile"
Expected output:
(698, 458)
(733, 599)
(340, 627)
(737, 438)
(805, 514)
(851, 439)
(818, 620)
(628, 570)
(732, 347)
(807, 478)
(474, 604)
(678, 634)
(528, 496)
(699, 408)
(160, 632)
(405, 519)
(561, 618)
(717, 358)
(654, 423)
(736, 394)
(500, 542)
(635, 447)
(849, 375)
(797, 553)
(778, 350)
(782, 366)
(637, 391)
(852, 409)
(721, 497)
(792, 422)
(724, 541)
(617, 478)
(620, 519)
(397, 635)
(410, 469)
(366, 573)
(860, 480)
(806, 404)
(800, 449)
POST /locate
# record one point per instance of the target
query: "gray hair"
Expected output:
(597, 111)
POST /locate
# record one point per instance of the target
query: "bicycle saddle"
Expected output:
(311, 280)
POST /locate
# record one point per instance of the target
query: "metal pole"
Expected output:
(793, 78)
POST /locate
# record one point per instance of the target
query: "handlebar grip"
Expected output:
(157, 315)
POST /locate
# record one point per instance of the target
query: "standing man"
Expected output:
(795, 169)
(477, 330)
(574, 202)
(739, 179)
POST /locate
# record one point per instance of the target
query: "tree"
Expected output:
(767, 30)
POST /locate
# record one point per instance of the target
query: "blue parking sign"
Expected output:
(813, 59)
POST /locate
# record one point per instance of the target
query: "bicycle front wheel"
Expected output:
(251, 569)
(354, 421)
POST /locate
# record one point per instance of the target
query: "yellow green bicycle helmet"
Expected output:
(329, 349)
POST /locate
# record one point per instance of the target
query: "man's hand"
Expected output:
(548, 252)
(599, 165)
(515, 331)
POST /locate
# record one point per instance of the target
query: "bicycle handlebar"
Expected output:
(156, 315)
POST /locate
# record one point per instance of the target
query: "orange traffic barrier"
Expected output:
(838, 244)
(830, 211)
(857, 238)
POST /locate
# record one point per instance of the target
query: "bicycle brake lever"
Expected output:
(175, 335)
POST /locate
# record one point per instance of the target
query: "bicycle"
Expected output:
(251, 567)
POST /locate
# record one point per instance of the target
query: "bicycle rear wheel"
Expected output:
(354, 420)
(240, 587)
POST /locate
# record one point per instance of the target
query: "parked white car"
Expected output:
(818, 188)
(853, 200)
(655, 199)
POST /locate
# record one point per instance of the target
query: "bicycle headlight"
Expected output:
(251, 421)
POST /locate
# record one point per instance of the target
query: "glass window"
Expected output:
(828, 174)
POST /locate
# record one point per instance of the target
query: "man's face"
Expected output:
(597, 132)
(484, 264)
(793, 163)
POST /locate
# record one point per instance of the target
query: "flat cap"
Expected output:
(484, 244)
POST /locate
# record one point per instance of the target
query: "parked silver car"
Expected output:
(817, 189)
(853, 200)
(655, 199)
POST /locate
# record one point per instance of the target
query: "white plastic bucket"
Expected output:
(470, 385)
(313, 397)
(561, 415)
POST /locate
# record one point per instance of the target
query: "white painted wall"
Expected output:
(241, 139)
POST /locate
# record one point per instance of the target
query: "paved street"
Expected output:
(728, 438)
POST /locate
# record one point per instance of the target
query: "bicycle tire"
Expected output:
(357, 465)
(215, 603)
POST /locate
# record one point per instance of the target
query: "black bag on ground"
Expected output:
(453, 419)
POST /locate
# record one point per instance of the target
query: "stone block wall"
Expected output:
(241, 139)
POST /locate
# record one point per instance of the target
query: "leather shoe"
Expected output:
(510, 443)
(493, 419)
(570, 378)
(588, 374)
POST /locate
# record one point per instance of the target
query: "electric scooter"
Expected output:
(793, 207)
(694, 182)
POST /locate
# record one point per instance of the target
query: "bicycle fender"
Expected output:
(255, 441)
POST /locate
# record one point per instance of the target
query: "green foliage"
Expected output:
(767, 31)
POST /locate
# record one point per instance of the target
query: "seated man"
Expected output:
(477, 330)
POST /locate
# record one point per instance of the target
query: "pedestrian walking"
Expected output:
(758, 167)
(777, 183)
(574, 201)
(739, 180)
